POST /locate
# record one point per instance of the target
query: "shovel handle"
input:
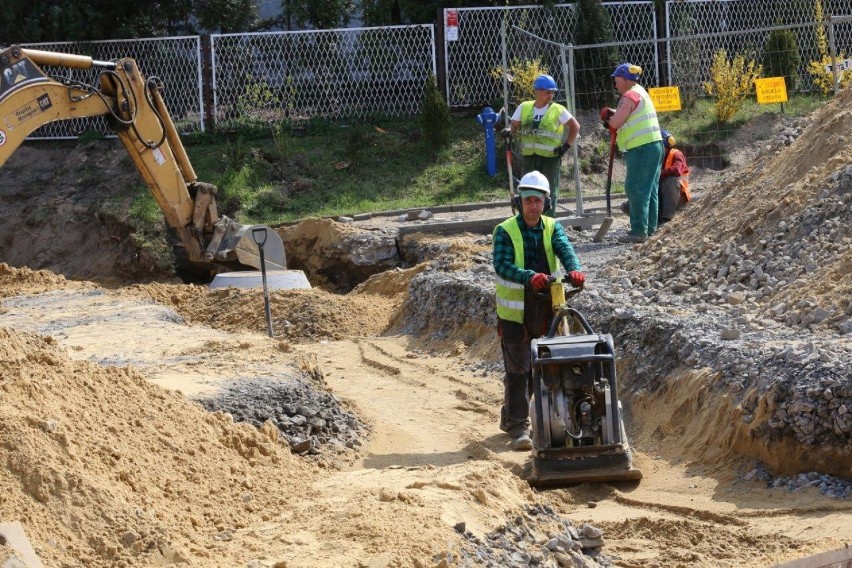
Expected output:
(509, 170)
(609, 173)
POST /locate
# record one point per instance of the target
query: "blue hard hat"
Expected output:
(545, 82)
(628, 71)
(668, 139)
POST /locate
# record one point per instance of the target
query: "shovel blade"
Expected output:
(602, 230)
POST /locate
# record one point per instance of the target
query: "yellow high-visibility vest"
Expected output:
(547, 137)
(641, 126)
(510, 295)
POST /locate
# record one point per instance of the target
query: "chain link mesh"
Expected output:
(720, 25)
(175, 60)
(477, 51)
(352, 73)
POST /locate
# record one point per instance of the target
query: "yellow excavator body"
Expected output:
(134, 108)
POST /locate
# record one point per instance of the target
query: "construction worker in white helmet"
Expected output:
(527, 247)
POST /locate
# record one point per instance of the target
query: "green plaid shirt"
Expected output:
(504, 252)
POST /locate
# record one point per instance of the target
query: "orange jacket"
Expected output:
(674, 164)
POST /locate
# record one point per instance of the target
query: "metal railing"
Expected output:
(359, 73)
(477, 50)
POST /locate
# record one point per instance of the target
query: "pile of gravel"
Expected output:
(311, 420)
(537, 537)
(739, 308)
(758, 272)
(828, 485)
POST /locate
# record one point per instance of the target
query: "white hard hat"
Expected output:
(535, 181)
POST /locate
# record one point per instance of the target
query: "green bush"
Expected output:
(731, 82)
(781, 57)
(435, 120)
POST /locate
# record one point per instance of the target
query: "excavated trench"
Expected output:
(732, 327)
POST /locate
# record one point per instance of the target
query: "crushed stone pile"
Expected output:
(753, 283)
(309, 419)
(536, 537)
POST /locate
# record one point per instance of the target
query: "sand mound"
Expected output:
(298, 315)
(17, 281)
(149, 481)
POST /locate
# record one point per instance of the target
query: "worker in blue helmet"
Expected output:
(547, 130)
(634, 122)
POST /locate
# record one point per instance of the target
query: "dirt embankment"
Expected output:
(111, 466)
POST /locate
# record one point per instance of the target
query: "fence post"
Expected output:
(568, 81)
(207, 79)
(833, 50)
(441, 75)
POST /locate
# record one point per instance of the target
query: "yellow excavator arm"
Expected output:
(134, 107)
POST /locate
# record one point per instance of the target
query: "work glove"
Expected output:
(540, 281)
(560, 150)
(606, 114)
(576, 278)
(507, 133)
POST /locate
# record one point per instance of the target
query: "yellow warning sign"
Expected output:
(665, 99)
(771, 90)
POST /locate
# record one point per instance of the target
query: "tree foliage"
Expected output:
(34, 21)
(435, 120)
(395, 12)
(781, 57)
(319, 14)
(594, 84)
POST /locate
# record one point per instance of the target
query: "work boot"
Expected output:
(630, 238)
(521, 442)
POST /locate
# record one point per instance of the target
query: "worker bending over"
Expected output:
(674, 181)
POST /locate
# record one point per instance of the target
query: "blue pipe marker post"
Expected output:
(259, 236)
(487, 118)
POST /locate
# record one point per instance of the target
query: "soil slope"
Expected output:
(108, 460)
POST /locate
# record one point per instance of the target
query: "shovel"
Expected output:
(509, 169)
(607, 223)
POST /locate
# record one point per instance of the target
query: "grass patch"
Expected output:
(290, 175)
(286, 172)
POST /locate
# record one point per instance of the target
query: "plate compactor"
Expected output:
(577, 425)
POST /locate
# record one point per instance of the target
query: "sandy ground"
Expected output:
(435, 458)
(108, 462)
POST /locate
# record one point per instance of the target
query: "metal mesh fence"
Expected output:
(705, 123)
(720, 24)
(477, 51)
(353, 73)
(175, 60)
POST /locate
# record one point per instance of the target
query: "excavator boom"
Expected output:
(134, 107)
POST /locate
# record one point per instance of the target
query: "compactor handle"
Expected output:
(573, 291)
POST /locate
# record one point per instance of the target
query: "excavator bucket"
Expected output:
(248, 252)
(241, 245)
(233, 243)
